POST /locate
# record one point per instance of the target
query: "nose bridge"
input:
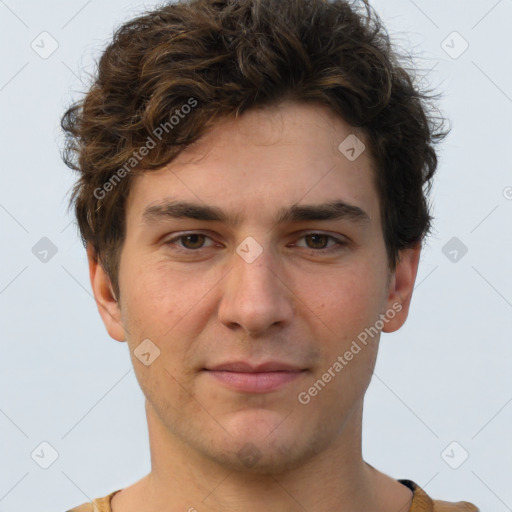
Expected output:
(253, 296)
(255, 276)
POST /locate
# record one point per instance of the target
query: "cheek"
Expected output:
(343, 306)
(157, 297)
(171, 308)
(344, 299)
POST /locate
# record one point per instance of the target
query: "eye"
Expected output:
(189, 241)
(318, 242)
(314, 242)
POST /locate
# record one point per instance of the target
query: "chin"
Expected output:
(266, 445)
(261, 459)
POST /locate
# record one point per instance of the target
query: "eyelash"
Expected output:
(340, 243)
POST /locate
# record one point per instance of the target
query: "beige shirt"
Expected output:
(421, 502)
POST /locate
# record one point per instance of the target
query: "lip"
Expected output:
(246, 367)
(255, 378)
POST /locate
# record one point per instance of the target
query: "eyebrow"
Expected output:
(332, 210)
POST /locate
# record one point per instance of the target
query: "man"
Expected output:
(251, 196)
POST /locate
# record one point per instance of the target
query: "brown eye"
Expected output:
(190, 242)
(194, 241)
(322, 243)
(319, 241)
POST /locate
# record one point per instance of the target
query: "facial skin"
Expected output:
(202, 304)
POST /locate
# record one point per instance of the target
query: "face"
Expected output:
(256, 293)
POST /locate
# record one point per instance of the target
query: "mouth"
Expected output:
(248, 378)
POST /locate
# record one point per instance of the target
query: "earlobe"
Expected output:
(106, 301)
(401, 285)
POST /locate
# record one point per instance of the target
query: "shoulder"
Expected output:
(96, 505)
(86, 507)
(459, 506)
(422, 502)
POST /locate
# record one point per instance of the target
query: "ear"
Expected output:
(106, 301)
(401, 285)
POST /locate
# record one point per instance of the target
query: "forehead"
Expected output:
(256, 165)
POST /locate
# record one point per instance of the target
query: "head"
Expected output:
(275, 119)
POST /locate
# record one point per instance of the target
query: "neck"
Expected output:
(336, 479)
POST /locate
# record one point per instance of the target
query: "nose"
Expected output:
(255, 296)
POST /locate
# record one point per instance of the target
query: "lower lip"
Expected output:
(257, 382)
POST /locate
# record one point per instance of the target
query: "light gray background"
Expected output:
(444, 377)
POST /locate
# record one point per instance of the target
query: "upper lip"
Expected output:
(246, 367)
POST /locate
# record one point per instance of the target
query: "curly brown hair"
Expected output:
(221, 58)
